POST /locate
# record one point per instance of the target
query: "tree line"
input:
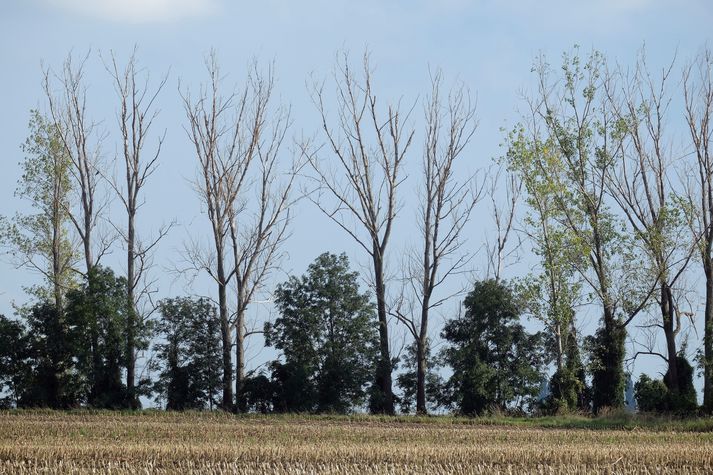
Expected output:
(607, 177)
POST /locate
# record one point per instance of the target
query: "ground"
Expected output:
(212, 443)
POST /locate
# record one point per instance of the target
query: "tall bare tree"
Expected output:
(136, 115)
(238, 139)
(213, 130)
(81, 140)
(446, 203)
(643, 184)
(259, 216)
(367, 146)
(698, 95)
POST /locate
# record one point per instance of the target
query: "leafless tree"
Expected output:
(136, 116)
(238, 140)
(367, 147)
(260, 214)
(642, 185)
(81, 140)
(698, 95)
(213, 129)
(503, 213)
(446, 204)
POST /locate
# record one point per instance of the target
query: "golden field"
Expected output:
(48, 442)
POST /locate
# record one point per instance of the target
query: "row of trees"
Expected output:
(615, 211)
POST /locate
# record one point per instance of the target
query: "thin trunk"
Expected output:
(668, 314)
(421, 369)
(383, 373)
(708, 336)
(239, 359)
(131, 316)
(226, 335)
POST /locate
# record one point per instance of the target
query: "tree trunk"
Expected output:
(383, 371)
(668, 314)
(421, 368)
(708, 337)
(239, 359)
(226, 335)
(131, 317)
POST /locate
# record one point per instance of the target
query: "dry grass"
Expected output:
(83, 442)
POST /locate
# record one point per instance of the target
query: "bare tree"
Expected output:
(446, 204)
(698, 95)
(259, 216)
(81, 141)
(135, 118)
(214, 131)
(367, 147)
(503, 214)
(641, 184)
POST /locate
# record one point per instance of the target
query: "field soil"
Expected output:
(153, 442)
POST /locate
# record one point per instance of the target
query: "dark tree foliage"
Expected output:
(407, 381)
(327, 334)
(496, 363)
(15, 368)
(52, 381)
(96, 319)
(258, 393)
(655, 396)
(189, 354)
(607, 353)
(569, 386)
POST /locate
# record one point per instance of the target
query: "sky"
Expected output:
(489, 45)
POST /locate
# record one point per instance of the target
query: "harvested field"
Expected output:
(148, 442)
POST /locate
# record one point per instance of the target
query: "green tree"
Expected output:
(15, 368)
(408, 381)
(39, 240)
(495, 362)
(571, 136)
(189, 354)
(326, 331)
(96, 319)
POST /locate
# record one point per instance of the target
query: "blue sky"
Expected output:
(489, 45)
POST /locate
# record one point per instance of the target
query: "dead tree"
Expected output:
(503, 214)
(136, 115)
(213, 129)
(446, 203)
(642, 185)
(259, 216)
(698, 95)
(366, 147)
(81, 141)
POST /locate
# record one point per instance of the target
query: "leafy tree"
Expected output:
(53, 381)
(96, 319)
(190, 354)
(657, 396)
(39, 240)
(15, 369)
(408, 381)
(327, 333)
(495, 362)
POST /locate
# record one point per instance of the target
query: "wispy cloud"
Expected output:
(139, 11)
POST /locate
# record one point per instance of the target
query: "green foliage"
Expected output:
(407, 381)
(326, 331)
(15, 367)
(52, 380)
(606, 350)
(189, 354)
(40, 240)
(96, 317)
(655, 396)
(495, 362)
